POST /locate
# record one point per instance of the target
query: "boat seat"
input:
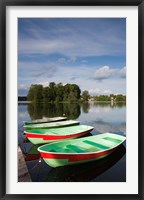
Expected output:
(112, 139)
(101, 146)
(53, 150)
(75, 148)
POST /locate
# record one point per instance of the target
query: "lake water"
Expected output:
(104, 117)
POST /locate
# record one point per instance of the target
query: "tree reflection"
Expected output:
(109, 104)
(70, 110)
(35, 110)
(85, 107)
(40, 110)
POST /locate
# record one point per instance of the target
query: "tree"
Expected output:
(46, 95)
(71, 92)
(103, 98)
(35, 93)
(59, 89)
(120, 97)
(85, 95)
(75, 88)
(54, 93)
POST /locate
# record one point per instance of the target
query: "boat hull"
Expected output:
(62, 160)
(42, 139)
(80, 150)
(51, 125)
(87, 171)
(45, 120)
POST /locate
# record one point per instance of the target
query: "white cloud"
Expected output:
(23, 86)
(45, 84)
(106, 72)
(107, 92)
(31, 46)
(100, 91)
(76, 43)
(72, 59)
(122, 72)
(96, 28)
(62, 61)
(103, 73)
(84, 61)
(94, 91)
(80, 75)
(47, 71)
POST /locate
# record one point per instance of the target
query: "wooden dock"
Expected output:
(23, 174)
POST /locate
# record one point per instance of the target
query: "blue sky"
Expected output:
(89, 52)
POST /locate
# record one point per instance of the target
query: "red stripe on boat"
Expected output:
(76, 157)
(55, 137)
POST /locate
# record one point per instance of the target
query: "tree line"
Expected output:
(65, 93)
(54, 93)
(115, 98)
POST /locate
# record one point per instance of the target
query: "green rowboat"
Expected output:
(80, 150)
(45, 120)
(41, 136)
(51, 125)
(85, 172)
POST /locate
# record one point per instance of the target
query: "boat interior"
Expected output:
(88, 144)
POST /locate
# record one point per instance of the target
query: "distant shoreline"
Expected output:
(22, 101)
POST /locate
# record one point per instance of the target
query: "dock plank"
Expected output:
(23, 174)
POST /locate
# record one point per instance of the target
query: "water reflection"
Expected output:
(85, 107)
(32, 154)
(72, 173)
(71, 110)
(104, 117)
(103, 127)
(38, 111)
(110, 104)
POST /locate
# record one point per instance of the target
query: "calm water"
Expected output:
(103, 117)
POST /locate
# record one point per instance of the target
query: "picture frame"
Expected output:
(4, 91)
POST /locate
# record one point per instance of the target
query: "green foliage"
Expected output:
(115, 98)
(35, 93)
(85, 95)
(120, 97)
(54, 93)
(46, 95)
(103, 98)
(67, 93)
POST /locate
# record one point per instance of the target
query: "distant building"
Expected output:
(92, 99)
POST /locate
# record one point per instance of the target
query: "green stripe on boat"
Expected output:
(112, 139)
(75, 148)
(100, 146)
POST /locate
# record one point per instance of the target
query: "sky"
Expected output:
(89, 52)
